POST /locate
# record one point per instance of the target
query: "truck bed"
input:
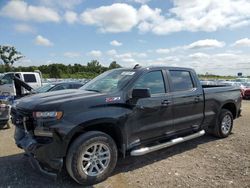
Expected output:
(215, 96)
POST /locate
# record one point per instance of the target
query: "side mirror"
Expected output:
(141, 93)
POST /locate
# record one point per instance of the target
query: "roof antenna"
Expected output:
(136, 66)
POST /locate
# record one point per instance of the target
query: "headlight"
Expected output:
(44, 115)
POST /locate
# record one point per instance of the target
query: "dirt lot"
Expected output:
(203, 162)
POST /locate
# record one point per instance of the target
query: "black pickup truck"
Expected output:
(121, 112)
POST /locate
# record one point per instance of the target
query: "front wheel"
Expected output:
(224, 124)
(91, 158)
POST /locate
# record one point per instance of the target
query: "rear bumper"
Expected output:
(44, 153)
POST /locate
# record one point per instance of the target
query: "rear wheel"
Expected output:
(91, 158)
(224, 124)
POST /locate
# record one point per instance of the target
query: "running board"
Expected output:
(143, 151)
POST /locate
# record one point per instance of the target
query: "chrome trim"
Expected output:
(145, 150)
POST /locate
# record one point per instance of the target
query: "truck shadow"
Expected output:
(16, 171)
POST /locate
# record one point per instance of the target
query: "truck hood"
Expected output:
(51, 100)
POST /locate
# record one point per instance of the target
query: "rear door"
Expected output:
(188, 102)
(151, 117)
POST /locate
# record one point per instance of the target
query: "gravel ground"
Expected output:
(203, 162)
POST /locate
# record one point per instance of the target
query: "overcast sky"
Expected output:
(207, 35)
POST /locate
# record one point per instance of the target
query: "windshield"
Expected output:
(45, 88)
(109, 81)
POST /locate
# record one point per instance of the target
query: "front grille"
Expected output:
(17, 116)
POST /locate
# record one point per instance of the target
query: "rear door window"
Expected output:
(181, 80)
(31, 78)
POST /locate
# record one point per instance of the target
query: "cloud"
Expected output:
(72, 54)
(192, 16)
(65, 4)
(124, 55)
(95, 53)
(245, 42)
(118, 17)
(24, 28)
(20, 10)
(141, 1)
(206, 43)
(199, 55)
(70, 17)
(111, 52)
(165, 60)
(162, 51)
(195, 15)
(42, 41)
(140, 55)
(128, 60)
(115, 43)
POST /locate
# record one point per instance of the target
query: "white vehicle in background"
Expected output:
(18, 84)
(244, 80)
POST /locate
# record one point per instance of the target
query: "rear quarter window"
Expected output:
(29, 78)
(181, 80)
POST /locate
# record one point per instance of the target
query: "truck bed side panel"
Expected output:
(215, 98)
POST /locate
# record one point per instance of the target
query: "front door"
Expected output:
(152, 116)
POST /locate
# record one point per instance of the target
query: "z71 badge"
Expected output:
(111, 99)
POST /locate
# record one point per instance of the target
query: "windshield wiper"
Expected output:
(95, 90)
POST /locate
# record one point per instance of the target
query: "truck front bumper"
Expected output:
(44, 153)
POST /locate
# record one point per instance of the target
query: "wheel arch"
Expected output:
(110, 128)
(231, 107)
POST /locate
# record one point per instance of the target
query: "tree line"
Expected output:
(9, 55)
(58, 70)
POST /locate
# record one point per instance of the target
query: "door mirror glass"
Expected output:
(141, 93)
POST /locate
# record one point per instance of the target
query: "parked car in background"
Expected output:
(246, 90)
(242, 80)
(59, 86)
(244, 87)
(19, 84)
(208, 82)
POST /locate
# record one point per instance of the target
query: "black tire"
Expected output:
(82, 144)
(218, 128)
